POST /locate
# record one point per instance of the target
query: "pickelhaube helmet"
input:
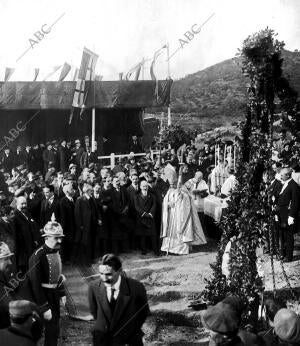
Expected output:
(53, 228)
(4, 250)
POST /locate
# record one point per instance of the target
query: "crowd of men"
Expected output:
(47, 194)
(100, 209)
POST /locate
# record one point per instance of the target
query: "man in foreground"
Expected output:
(6, 290)
(118, 304)
(25, 325)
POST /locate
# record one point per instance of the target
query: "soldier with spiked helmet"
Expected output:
(46, 279)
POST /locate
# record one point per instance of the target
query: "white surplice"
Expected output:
(181, 226)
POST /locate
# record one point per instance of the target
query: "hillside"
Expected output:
(216, 95)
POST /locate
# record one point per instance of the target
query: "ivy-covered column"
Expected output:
(248, 216)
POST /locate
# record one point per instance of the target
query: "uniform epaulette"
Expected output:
(38, 250)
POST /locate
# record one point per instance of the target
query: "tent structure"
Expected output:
(36, 112)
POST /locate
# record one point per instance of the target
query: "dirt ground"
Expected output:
(171, 282)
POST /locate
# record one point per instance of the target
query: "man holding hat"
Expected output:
(25, 324)
(6, 289)
(46, 279)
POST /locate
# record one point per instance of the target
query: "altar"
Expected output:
(213, 207)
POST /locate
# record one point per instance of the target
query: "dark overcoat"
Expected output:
(123, 325)
(145, 224)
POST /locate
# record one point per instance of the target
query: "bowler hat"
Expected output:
(221, 318)
(22, 308)
(287, 326)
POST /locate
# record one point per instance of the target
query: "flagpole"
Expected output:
(169, 77)
(168, 53)
(94, 110)
(143, 62)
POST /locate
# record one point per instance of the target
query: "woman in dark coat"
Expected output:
(145, 206)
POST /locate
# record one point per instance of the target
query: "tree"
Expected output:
(249, 215)
(175, 135)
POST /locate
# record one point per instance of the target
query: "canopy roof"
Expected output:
(108, 94)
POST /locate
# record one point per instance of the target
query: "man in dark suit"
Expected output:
(49, 206)
(287, 212)
(274, 191)
(78, 151)
(48, 157)
(19, 158)
(120, 222)
(27, 234)
(37, 152)
(132, 191)
(135, 145)
(145, 206)
(58, 185)
(86, 217)
(67, 220)
(64, 155)
(29, 158)
(118, 304)
(7, 160)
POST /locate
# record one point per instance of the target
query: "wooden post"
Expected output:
(112, 160)
(215, 155)
(234, 157)
(93, 127)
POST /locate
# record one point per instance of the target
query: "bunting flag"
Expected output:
(162, 91)
(156, 55)
(8, 73)
(85, 76)
(54, 70)
(135, 71)
(36, 73)
(64, 72)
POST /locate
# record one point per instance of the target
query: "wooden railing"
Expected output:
(113, 157)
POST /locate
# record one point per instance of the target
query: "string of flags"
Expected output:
(71, 73)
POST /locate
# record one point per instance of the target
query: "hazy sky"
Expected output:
(122, 32)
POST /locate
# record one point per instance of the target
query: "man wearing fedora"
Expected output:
(6, 290)
(25, 324)
(119, 305)
(46, 280)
